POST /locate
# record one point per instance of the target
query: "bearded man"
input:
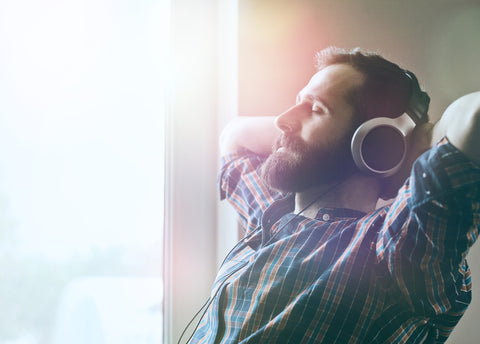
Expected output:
(320, 262)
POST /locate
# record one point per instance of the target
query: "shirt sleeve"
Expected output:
(240, 183)
(429, 229)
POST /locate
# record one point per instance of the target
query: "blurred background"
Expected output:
(109, 108)
(437, 40)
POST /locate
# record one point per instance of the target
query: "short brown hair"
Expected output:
(387, 89)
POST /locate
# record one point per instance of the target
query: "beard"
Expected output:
(295, 166)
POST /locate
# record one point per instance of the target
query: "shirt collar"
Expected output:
(287, 205)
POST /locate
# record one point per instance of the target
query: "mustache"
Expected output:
(289, 142)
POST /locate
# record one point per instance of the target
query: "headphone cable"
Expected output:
(211, 298)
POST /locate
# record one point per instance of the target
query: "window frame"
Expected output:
(204, 97)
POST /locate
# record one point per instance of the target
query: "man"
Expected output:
(319, 263)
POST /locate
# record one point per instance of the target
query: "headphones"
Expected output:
(379, 145)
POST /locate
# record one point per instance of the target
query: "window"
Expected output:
(81, 170)
(198, 231)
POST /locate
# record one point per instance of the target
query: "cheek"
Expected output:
(321, 136)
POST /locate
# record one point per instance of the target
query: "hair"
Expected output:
(387, 89)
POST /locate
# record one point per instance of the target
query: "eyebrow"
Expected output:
(316, 99)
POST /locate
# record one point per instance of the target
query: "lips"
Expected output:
(286, 144)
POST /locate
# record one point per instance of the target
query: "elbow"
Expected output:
(471, 116)
(228, 140)
(476, 113)
(463, 125)
(255, 134)
(224, 142)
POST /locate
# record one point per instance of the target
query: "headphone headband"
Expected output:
(418, 103)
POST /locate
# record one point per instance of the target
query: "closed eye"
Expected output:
(317, 108)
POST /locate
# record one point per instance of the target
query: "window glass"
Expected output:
(81, 170)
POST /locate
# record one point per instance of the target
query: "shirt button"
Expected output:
(326, 217)
(427, 192)
(424, 175)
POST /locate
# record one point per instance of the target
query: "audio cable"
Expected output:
(205, 306)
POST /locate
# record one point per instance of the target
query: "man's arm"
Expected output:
(460, 123)
(434, 218)
(256, 134)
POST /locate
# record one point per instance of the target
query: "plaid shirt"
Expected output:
(396, 275)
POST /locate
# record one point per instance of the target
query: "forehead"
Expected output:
(333, 84)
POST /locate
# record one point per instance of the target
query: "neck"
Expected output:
(357, 192)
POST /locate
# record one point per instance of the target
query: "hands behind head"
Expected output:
(460, 123)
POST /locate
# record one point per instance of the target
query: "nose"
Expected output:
(288, 122)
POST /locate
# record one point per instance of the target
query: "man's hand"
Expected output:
(460, 123)
(256, 134)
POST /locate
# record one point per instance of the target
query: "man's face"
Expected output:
(314, 147)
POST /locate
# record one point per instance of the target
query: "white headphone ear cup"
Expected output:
(379, 146)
